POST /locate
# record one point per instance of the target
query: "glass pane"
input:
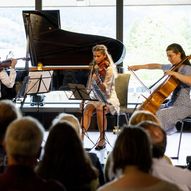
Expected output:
(12, 33)
(148, 30)
(155, 2)
(56, 3)
(17, 3)
(92, 20)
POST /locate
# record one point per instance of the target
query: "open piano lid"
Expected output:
(52, 46)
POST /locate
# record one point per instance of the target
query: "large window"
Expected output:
(149, 27)
(12, 33)
(148, 30)
(87, 17)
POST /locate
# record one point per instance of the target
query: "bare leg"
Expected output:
(88, 111)
(102, 123)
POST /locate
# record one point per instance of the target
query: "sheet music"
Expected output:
(39, 82)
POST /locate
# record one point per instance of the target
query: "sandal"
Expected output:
(101, 145)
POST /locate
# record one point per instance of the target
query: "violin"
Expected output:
(159, 95)
(7, 63)
(102, 68)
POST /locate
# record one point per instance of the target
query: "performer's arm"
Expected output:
(183, 78)
(9, 80)
(145, 66)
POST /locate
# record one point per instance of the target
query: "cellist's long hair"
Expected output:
(176, 48)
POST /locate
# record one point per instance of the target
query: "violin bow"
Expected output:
(140, 80)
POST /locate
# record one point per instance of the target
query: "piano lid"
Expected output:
(52, 46)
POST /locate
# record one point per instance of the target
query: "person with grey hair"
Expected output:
(9, 112)
(23, 140)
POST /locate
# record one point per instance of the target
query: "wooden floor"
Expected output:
(171, 150)
(66, 105)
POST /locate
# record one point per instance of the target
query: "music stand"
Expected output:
(37, 83)
(79, 92)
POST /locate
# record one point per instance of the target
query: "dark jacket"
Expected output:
(22, 178)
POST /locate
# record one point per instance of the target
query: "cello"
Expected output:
(158, 96)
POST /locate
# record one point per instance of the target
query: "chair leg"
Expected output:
(180, 139)
(116, 127)
(126, 119)
(118, 120)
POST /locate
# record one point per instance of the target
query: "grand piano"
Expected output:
(67, 53)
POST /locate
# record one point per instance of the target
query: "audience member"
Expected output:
(158, 135)
(142, 115)
(132, 162)
(8, 113)
(77, 126)
(161, 168)
(65, 160)
(70, 118)
(22, 143)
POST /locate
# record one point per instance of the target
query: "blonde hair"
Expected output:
(142, 115)
(149, 122)
(69, 118)
(103, 49)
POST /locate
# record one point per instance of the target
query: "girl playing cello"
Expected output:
(179, 105)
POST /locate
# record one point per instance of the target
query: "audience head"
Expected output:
(23, 139)
(61, 136)
(64, 156)
(9, 112)
(69, 118)
(158, 137)
(142, 115)
(151, 124)
(132, 148)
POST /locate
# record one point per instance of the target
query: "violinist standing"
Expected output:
(103, 76)
(8, 79)
(179, 105)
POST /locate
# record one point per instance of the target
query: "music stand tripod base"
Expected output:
(79, 92)
(37, 100)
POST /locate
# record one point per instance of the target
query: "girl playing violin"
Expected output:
(101, 85)
(179, 105)
(8, 80)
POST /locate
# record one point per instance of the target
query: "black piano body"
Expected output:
(67, 53)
